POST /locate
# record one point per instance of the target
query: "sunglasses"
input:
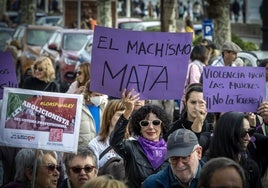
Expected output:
(87, 169)
(39, 69)
(145, 123)
(250, 132)
(79, 72)
(51, 167)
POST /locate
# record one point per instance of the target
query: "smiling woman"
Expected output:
(43, 76)
(144, 155)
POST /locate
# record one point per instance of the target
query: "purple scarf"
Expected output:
(155, 151)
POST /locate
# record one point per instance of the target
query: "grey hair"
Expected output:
(82, 152)
(215, 164)
(42, 153)
(23, 160)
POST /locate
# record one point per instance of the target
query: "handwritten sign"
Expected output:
(7, 72)
(234, 88)
(153, 63)
(41, 120)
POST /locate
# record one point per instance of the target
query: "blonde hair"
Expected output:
(47, 67)
(111, 108)
(104, 182)
(85, 67)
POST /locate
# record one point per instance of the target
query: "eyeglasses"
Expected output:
(51, 167)
(87, 169)
(174, 160)
(250, 132)
(39, 69)
(145, 123)
(79, 72)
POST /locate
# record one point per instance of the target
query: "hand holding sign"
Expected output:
(263, 111)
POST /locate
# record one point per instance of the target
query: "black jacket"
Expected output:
(137, 166)
(203, 137)
(36, 84)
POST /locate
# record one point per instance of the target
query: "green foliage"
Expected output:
(153, 28)
(244, 45)
(197, 40)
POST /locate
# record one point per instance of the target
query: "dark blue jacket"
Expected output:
(166, 179)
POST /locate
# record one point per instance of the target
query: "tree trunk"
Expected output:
(264, 16)
(167, 15)
(104, 13)
(219, 11)
(2, 10)
(28, 11)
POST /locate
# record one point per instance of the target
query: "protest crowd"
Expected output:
(132, 141)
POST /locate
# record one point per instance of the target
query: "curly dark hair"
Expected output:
(143, 112)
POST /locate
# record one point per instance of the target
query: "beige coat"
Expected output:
(87, 127)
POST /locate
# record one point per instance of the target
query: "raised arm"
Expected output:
(118, 134)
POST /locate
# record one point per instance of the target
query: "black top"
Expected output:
(36, 84)
(137, 165)
(203, 137)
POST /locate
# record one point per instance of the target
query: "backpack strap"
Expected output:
(105, 151)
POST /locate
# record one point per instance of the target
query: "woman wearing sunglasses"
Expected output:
(82, 76)
(144, 155)
(80, 168)
(47, 170)
(234, 138)
(43, 76)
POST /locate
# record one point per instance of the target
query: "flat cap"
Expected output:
(231, 46)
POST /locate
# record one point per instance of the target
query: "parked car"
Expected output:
(198, 29)
(147, 26)
(50, 20)
(156, 26)
(252, 58)
(15, 16)
(3, 24)
(63, 45)
(127, 23)
(5, 35)
(84, 55)
(25, 46)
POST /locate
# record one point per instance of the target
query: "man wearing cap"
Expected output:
(229, 55)
(184, 156)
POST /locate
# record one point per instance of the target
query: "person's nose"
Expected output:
(179, 163)
(56, 172)
(150, 125)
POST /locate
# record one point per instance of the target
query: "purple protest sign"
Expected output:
(234, 88)
(153, 63)
(7, 72)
